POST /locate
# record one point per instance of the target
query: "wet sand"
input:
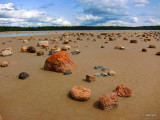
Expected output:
(44, 95)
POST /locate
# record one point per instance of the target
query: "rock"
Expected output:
(67, 73)
(52, 52)
(23, 75)
(45, 46)
(4, 64)
(125, 38)
(25, 41)
(112, 38)
(39, 53)
(98, 67)
(119, 47)
(102, 46)
(31, 49)
(133, 41)
(75, 52)
(104, 74)
(90, 78)
(144, 50)
(123, 91)
(80, 93)
(66, 42)
(59, 62)
(122, 48)
(108, 101)
(111, 73)
(24, 49)
(64, 48)
(6, 52)
(152, 46)
(41, 43)
(97, 74)
(158, 53)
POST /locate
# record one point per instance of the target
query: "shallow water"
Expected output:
(44, 95)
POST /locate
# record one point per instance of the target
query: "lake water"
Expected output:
(30, 33)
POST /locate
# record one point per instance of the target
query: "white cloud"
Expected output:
(140, 3)
(19, 17)
(88, 17)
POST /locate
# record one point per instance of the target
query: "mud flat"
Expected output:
(44, 95)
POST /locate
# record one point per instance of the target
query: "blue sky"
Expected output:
(79, 12)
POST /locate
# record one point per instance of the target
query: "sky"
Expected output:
(79, 12)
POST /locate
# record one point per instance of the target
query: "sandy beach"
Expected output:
(44, 95)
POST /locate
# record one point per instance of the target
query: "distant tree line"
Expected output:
(45, 28)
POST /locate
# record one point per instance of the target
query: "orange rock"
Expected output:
(158, 53)
(24, 49)
(90, 78)
(123, 91)
(152, 46)
(108, 101)
(80, 93)
(59, 62)
(4, 64)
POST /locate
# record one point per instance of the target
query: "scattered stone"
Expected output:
(125, 38)
(75, 52)
(25, 41)
(123, 91)
(31, 49)
(23, 75)
(152, 46)
(102, 46)
(104, 74)
(41, 43)
(80, 93)
(4, 64)
(39, 53)
(64, 48)
(97, 74)
(45, 46)
(119, 47)
(59, 62)
(98, 67)
(133, 41)
(67, 73)
(112, 38)
(66, 42)
(144, 50)
(108, 101)
(6, 52)
(52, 52)
(158, 53)
(111, 73)
(24, 49)
(90, 78)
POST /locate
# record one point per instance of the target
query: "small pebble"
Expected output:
(67, 73)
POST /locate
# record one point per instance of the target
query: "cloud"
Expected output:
(11, 15)
(88, 17)
(46, 5)
(140, 3)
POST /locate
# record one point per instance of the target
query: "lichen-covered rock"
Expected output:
(6, 52)
(59, 62)
(24, 49)
(80, 93)
(31, 49)
(133, 41)
(108, 101)
(4, 64)
(39, 53)
(90, 78)
(123, 91)
(152, 46)
(23, 75)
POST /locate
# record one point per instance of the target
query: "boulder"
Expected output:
(108, 101)
(59, 62)
(41, 43)
(144, 50)
(31, 49)
(152, 46)
(39, 53)
(133, 41)
(23, 75)
(80, 93)
(123, 91)
(24, 49)
(6, 52)
(90, 78)
(4, 64)
(111, 73)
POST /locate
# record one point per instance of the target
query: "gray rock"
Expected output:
(104, 74)
(67, 73)
(97, 74)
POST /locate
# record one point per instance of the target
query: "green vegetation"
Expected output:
(44, 28)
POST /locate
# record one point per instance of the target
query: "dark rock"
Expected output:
(67, 73)
(39, 53)
(90, 78)
(104, 74)
(23, 75)
(144, 50)
(52, 52)
(31, 49)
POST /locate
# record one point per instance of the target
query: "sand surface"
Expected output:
(44, 95)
